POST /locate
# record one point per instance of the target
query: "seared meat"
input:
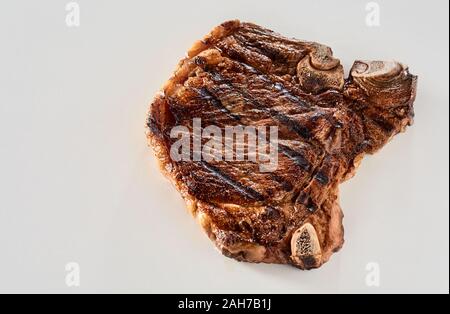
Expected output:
(244, 75)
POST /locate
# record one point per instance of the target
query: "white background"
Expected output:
(79, 184)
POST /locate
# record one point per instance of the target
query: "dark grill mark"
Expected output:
(292, 125)
(239, 187)
(270, 213)
(151, 124)
(311, 208)
(322, 178)
(245, 226)
(285, 185)
(382, 123)
(361, 147)
(281, 88)
(205, 94)
(305, 200)
(295, 156)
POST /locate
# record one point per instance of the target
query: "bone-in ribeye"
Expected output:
(243, 74)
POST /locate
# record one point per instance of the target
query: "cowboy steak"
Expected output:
(241, 74)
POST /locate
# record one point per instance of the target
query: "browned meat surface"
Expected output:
(243, 74)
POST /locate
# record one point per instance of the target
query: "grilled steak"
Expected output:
(244, 75)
